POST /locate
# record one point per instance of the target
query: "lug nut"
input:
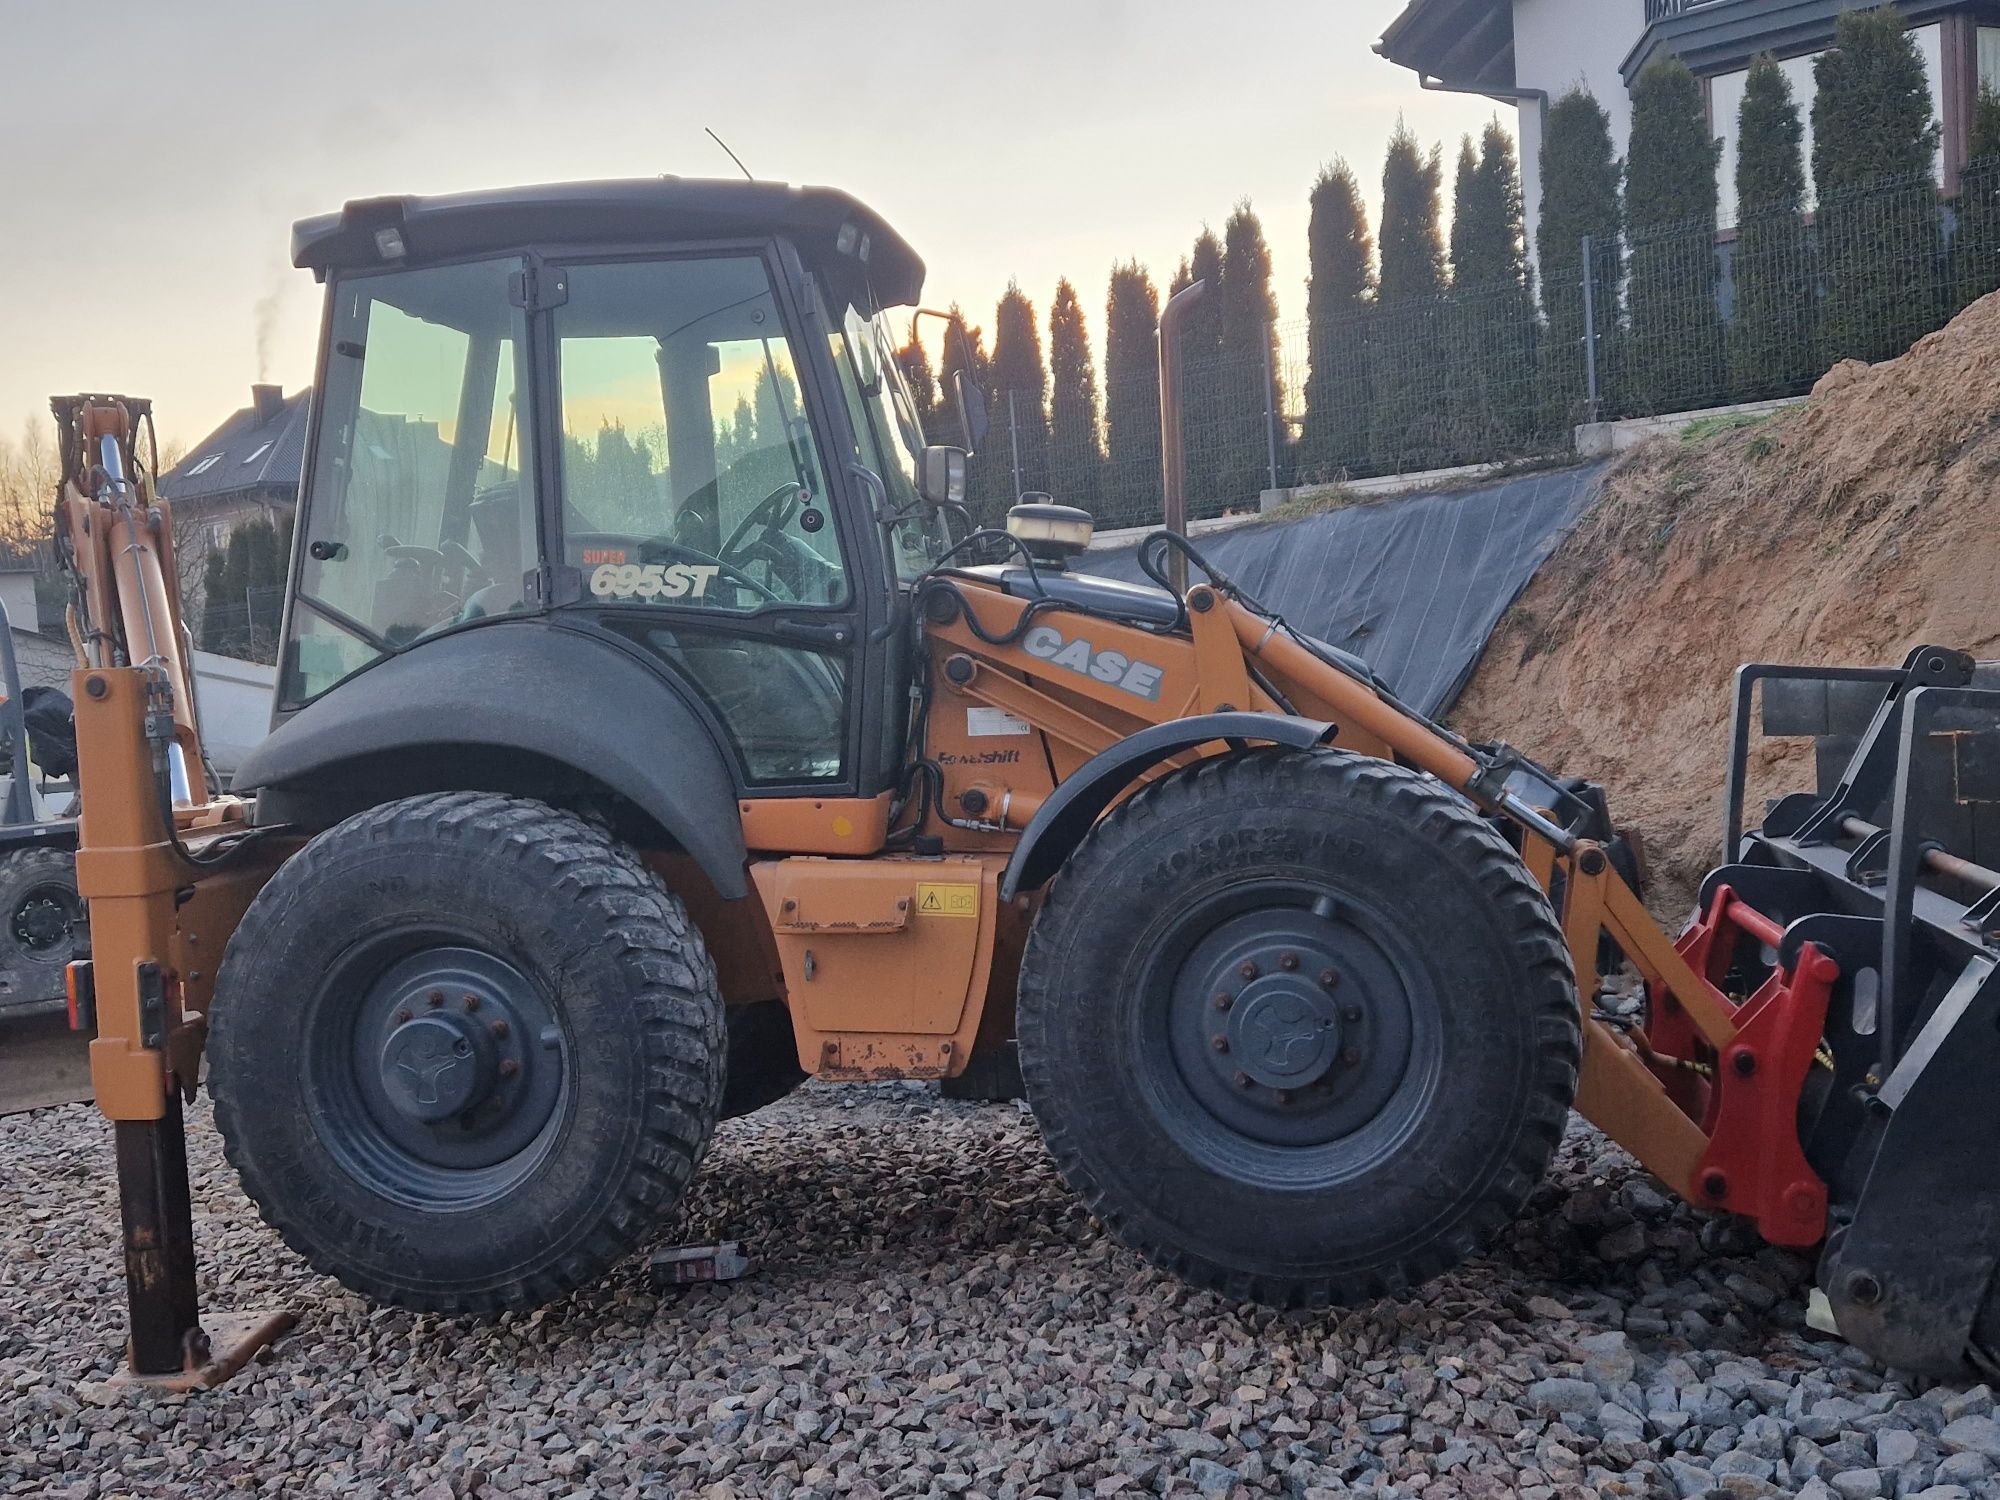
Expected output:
(471, 1002)
(1219, 1043)
(434, 999)
(1328, 979)
(499, 1030)
(1288, 961)
(1350, 1055)
(1224, 1000)
(1243, 1080)
(1248, 969)
(403, 1016)
(509, 1067)
(1284, 1096)
(1350, 1013)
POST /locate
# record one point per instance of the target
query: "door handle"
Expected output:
(814, 632)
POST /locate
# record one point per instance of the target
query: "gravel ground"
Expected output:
(930, 1313)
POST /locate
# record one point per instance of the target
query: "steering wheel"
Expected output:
(654, 547)
(771, 514)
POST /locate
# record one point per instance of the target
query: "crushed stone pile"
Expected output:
(1842, 531)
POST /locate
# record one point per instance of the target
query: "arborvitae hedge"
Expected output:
(1580, 181)
(1074, 455)
(1976, 251)
(1771, 333)
(915, 361)
(1408, 345)
(1202, 383)
(1875, 140)
(1132, 395)
(1674, 354)
(1021, 392)
(1335, 437)
(1248, 336)
(1491, 321)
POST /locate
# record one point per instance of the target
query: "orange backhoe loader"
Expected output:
(654, 730)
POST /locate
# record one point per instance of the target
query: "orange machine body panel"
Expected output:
(886, 961)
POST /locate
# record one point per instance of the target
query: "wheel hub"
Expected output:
(1284, 1032)
(436, 1066)
(454, 1065)
(1288, 1024)
(41, 922)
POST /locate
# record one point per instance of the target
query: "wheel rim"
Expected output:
(45, 919)
(437, 1072)
(1282, 1040)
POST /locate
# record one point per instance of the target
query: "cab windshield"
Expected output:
(886, 427)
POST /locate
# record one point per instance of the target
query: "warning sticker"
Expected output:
(947, 900)
(981, 723)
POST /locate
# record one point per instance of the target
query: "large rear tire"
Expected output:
(465, 1050)
(1299, 1028)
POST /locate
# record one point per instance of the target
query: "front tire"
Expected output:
(1300, 1028)
(464, 1051)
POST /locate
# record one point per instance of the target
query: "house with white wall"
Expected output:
(1523, 53)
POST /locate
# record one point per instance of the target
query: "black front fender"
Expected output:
(542, 691)
(1059, 825)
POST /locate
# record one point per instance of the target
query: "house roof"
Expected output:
(1720, 36)
(1462, 42)
(260, 449)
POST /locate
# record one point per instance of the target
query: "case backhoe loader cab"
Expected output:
(650, 761)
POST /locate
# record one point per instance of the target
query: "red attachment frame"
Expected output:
(1749, 1108)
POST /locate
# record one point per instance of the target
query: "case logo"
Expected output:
(1139, 678)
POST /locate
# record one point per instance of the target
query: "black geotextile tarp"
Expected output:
(1413, 586)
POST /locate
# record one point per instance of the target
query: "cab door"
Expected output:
(697, 514)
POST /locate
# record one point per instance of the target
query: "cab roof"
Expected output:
(628, 212)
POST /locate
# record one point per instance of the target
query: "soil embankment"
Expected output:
(1845, 530)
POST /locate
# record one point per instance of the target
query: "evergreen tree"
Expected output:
(1075, 454)
(1338, 286)
(215, 602)
(1875, 139)
(1492, 318)
(1674, 349)
(1976, 251)
(1580, 183)
(915, 362)
(1132, 396)
(1411, 420)
(1771, 335)
(1204, 423)
(1247, 329)
(1021, 389)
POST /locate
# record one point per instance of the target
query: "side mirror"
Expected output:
(971, 402)
(941, 475)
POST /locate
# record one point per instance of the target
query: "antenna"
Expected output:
(731, 154)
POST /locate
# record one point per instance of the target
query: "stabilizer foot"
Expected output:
(214, 1352)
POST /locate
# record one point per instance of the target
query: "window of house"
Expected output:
(1726, 106)
(1989, 58)
(205, 465)
(258, 452)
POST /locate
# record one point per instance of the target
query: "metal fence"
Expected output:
(1668, 320)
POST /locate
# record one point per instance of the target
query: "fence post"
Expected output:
(1590, 328)
(1270, 405)
(1014, 442)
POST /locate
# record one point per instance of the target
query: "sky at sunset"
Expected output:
(156, 158)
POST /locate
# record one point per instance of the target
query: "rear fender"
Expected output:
(515, 694)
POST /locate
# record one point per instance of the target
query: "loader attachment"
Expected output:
(1872, 905)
